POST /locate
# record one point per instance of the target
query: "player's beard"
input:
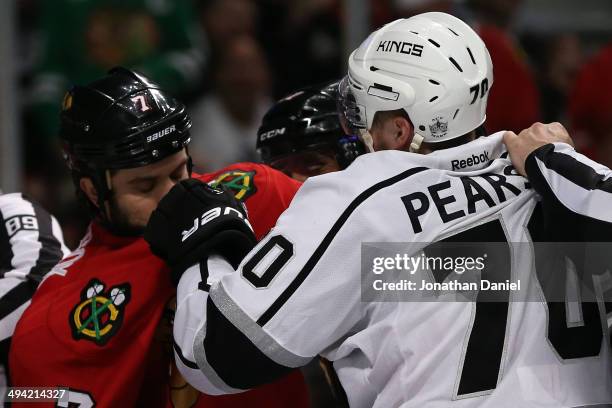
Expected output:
(119, 222)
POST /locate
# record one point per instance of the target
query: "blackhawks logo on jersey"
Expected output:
(240, 182)
(98, 316)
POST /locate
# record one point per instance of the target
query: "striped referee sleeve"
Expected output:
(31, 244)
(573, 185)
(577, 204)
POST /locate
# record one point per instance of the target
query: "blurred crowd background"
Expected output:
(230, 59)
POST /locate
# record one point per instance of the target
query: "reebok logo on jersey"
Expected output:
(161, 133)
(471, 161)
(210, 215)
(401, 47)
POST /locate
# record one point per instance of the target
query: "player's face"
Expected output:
(307, 164)
(136, 192)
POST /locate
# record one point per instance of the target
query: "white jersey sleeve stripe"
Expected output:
(256, 334)
(189, 324)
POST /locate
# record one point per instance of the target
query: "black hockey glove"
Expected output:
(194, 221)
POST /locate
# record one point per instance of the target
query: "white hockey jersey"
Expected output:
(298, 294)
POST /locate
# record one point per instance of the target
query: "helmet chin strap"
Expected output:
(104, 195)
(105, 209)
(368, 141)
(366, 138)
(415, 145)
(112, 220)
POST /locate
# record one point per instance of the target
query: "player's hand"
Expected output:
(194, 221)
(522, 145)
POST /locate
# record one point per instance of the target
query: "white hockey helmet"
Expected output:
(433, 65)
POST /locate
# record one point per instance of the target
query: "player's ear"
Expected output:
(89, 190)
(403, 133)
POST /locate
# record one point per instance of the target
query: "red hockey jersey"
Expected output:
(272, 191)
(94, 324)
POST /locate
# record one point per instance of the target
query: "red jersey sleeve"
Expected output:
(265, 191)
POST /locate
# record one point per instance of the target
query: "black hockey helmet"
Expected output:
(304, 121)
(123, 120)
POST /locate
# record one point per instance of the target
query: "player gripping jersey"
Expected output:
(298, 293)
